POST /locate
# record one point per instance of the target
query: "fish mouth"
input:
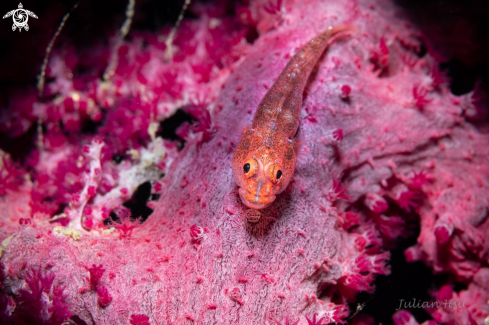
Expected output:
(250, 201)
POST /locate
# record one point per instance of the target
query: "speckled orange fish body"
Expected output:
(264, 161)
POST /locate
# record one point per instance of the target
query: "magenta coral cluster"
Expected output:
(103, 296)
(38, 302)
(401, 153)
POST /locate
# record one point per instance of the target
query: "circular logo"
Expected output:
(20, 18)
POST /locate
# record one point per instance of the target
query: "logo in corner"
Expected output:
(20, 17)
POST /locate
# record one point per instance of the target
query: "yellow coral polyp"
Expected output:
(71, 232)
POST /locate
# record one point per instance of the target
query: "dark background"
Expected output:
(457, 29)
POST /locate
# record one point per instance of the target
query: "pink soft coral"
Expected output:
(139, 320)
(96, 273)
(11, 175)
(313, 321)
(287, 322)
(34, 308)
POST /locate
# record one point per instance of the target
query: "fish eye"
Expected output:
(250, 167)
(279, 174)
(275, 173)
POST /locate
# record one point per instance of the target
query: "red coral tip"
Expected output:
(139, 319)
(345, 91)
(104, 297)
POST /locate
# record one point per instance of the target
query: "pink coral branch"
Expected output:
(420, 96)
(313, 321)
(79, 201)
